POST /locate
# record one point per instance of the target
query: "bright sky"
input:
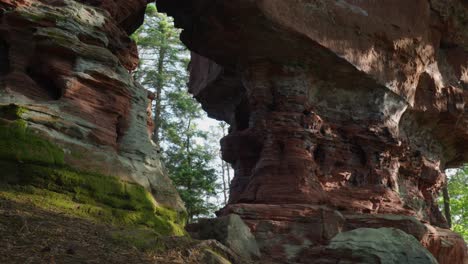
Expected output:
(207, 123)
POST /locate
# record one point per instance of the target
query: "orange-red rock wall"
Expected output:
(344, 114)
(69, 64)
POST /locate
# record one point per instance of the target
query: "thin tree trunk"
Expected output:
(159, 87)
(187, 142)
(228, 173)
(189, 163)
(447, 213)
(224, 181)
(226, 167)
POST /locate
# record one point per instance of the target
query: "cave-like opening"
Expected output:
(46, 81)
(187, 137)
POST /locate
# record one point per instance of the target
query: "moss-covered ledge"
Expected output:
(33, 171)
(19, 143)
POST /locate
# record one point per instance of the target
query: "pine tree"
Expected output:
(225, 168)
(163, 60)
(187, 154)
(163, 69)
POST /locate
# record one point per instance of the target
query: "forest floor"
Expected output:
(29, 234)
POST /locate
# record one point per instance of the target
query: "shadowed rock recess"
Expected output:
(344, 115)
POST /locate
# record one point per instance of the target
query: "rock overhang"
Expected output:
(355, 105)
(378, 48)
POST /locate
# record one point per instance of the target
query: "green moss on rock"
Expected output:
(33, 171)
(91, 196)
(19, 143)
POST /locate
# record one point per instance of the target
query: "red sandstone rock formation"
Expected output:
(344, 114)
(68, 63)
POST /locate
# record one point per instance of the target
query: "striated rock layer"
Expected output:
(344, 115)
(67, 65)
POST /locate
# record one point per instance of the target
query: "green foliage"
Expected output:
(92, 196)
(458, 190)
(19, 143)
(192, 174)
(163, 69)
(151, 10)
(163, 58)
(188, 160)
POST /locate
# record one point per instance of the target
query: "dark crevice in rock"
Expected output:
(45, 82)
(119, 129)
(4, 59)
(362, 155)
(57, 3)
(447, 45)
(90, 40)
(92, 2)
(319, 154)
(357, 179)
(131, 23)
(242, 115)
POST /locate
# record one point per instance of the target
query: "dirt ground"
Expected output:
(31, 235)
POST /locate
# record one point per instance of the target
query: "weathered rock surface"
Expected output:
(66, 64)
(229, 230)
(367, 245)
(344, 114)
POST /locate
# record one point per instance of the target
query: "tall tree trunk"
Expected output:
(189, 163)
(228, 168)
(187, 142)
(224, 181)
(223, 169)
(447, 213)
(159, 87)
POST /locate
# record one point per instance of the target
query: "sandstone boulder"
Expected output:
(231, 231)
(376, 246)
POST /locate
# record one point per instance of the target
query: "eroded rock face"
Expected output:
(229, 230)
(67, 64)
(344, 114)
(367, 245)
